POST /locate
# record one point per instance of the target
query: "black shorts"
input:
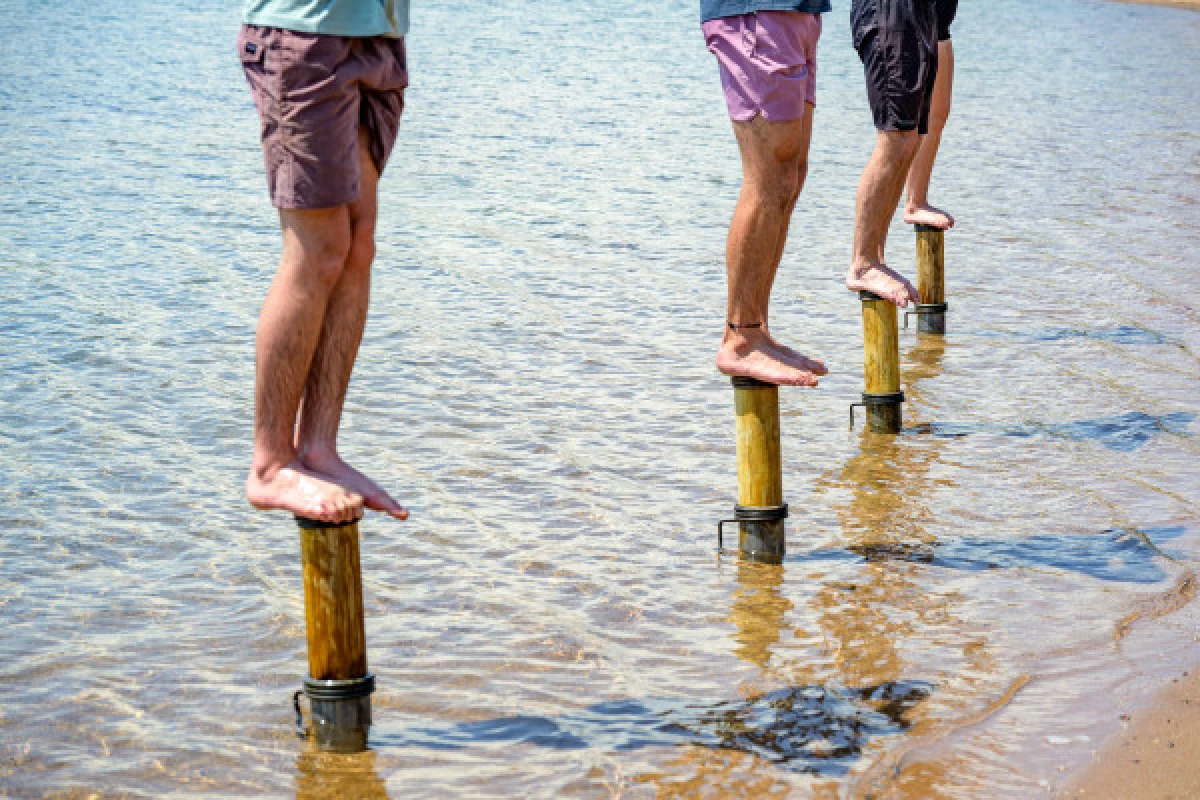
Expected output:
(897, 42)
(946, 9)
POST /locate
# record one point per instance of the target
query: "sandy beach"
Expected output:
(1156, 756)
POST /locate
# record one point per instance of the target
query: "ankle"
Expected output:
(265, 467)
(316, 452)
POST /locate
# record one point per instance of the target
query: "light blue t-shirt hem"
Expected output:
(356, 18)
(717, 9)
(307, 26)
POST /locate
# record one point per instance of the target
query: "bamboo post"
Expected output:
(760, 511)
(881, 365)
(931, 279)
(339, 686)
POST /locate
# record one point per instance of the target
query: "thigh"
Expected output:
(364, 210)
(768, 148)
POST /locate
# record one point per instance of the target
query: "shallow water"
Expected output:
(964, 608)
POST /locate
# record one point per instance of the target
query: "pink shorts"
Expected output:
(768, 62)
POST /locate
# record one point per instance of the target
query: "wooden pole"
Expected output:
(881, 364)
(760, 510)
(931, 279)
(337, 636)
(339, 686)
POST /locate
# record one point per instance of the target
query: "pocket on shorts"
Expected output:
(253, 44)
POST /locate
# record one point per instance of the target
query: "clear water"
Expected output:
(964, 608)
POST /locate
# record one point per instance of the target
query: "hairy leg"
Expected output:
(774, 161)
(337, 349)
(917, 210)
(315, 245)
(879, 193)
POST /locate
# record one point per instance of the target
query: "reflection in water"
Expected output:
(873, 613)
(338, 776)
(758, 612)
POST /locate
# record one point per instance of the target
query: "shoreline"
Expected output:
(1156, 754)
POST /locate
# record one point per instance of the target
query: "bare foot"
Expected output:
(298, 490)
(798, 360)
(926, 214)
(882, 280)
(752, 356)
(331, 466)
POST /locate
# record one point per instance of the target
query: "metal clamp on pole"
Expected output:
(876, 404)
(750, 514)
(340, 712)
(924, 309)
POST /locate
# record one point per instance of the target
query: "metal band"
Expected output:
(750, 514)
(928, 228)
(760, 513)
(867, 297)
(743, 382)
(321, 525)
(930, 308)
(339, 690)
(889, 399)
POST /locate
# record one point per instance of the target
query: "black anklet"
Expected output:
(733, 326)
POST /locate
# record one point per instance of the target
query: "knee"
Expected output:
(779, 189)
(938, 116)
(899, 146)
(325, 259)
(801, 176)
(362, 251)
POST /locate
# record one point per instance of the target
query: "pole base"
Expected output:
(340, 713)
(761, 534)
(763, 542)
(931, 317)
(885, 412)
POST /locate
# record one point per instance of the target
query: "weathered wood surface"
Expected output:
(881, 347)
(333, 607)
(760, 468)
(931, 266)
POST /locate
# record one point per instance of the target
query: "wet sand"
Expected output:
(1156, 756)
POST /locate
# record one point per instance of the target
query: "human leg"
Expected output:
(879, 192)
(917, 210)
(774, 158)
(768, 71)
(316, 244)
(337, 348)
(897, 44)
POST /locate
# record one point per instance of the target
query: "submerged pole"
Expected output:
(931, 280)
(881, 365)
(760, 511)
(338, 686)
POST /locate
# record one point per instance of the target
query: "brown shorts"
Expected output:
(314, 92)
